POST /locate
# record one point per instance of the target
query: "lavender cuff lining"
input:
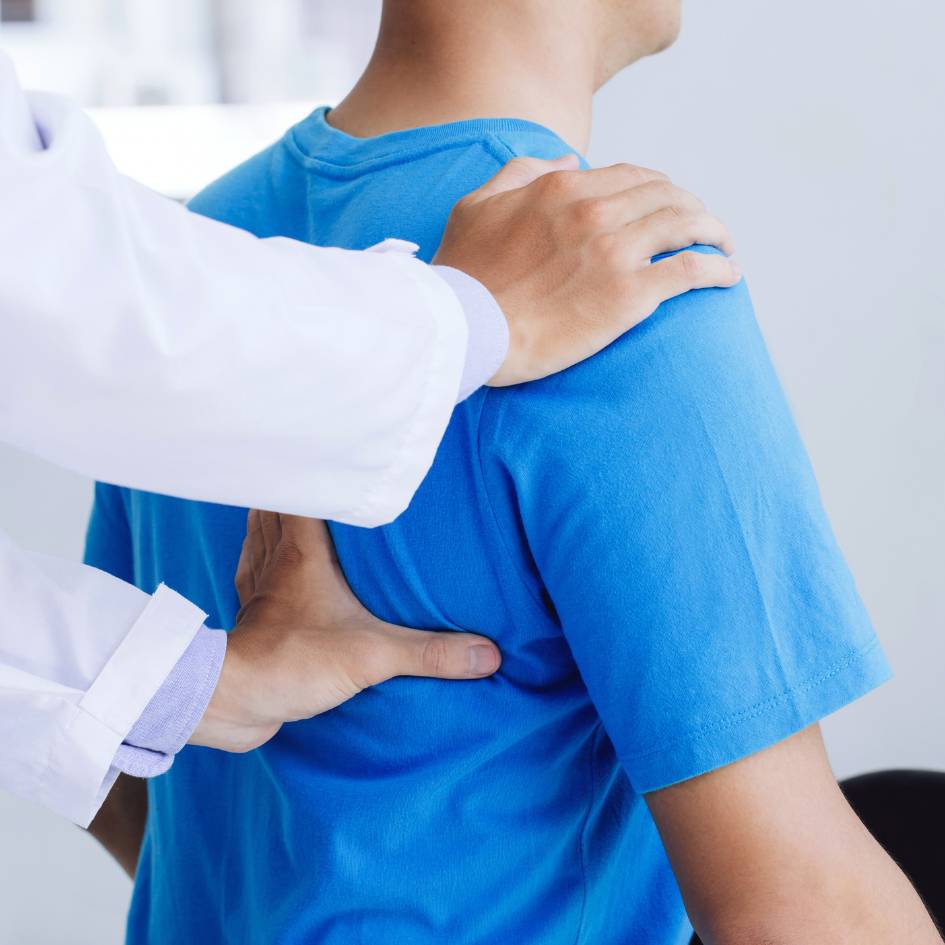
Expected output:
(488, 343)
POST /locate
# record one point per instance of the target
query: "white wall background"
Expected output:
(816, 131)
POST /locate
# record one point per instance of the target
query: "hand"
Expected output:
(304, 644)
(566, 253)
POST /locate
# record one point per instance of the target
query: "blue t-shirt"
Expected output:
(643, 537)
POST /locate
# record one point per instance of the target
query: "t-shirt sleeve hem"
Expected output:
(764, 725)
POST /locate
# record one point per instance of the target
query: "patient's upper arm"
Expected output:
(676, 526)
(768, 849)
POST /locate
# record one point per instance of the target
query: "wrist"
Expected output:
(232, 721)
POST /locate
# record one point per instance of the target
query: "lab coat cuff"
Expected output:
(80, 770)
(175, 710)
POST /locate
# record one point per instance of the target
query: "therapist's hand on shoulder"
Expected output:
(567, 255)
(303, 643)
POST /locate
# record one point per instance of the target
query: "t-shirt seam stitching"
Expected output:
(753, 711)
(500, 145)
(309, 162)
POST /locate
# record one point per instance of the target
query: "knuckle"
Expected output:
(557, 183)
(666, 192)
(435, 656)
(640, 175)
(288, 554)
(462, 206)
(635, 176)
(654, 174)
(684, 223)
(591, 213)
(693, 265)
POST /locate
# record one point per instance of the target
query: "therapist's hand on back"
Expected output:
(304, 644)
(566, 254)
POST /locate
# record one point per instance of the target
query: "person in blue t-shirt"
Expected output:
(641, 534)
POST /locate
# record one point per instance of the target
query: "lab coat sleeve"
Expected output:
(144, 345)
(147, 346)
(81, 654)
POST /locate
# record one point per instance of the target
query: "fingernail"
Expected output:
(736, 270)
(482, 660)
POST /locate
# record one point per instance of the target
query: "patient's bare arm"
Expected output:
(119, 825)
(768, 850)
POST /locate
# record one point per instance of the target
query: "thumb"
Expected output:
(439, 655)
(520, 172)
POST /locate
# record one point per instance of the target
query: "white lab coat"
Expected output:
(146, 346)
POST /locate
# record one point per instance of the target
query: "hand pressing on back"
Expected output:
(303, 643)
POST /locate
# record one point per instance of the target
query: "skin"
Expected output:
(119, 824)
(767, 851)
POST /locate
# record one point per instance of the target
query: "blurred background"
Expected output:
(183, 89)
(814, 130)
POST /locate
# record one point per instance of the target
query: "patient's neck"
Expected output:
(438, 62)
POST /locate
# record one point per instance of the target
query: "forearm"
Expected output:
(119, 825)
(147, 325)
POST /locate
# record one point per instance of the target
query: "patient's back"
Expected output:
(426, 811)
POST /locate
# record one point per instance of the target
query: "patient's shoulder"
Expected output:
(697, 367)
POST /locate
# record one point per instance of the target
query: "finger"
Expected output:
(607, 181)
(311, 537)
(684, 272)
(245, 578)
(436, 655)
(271, 530)
(520, 172)
(634, 204)
(254, 545)
(649, 287)
(670, 229)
